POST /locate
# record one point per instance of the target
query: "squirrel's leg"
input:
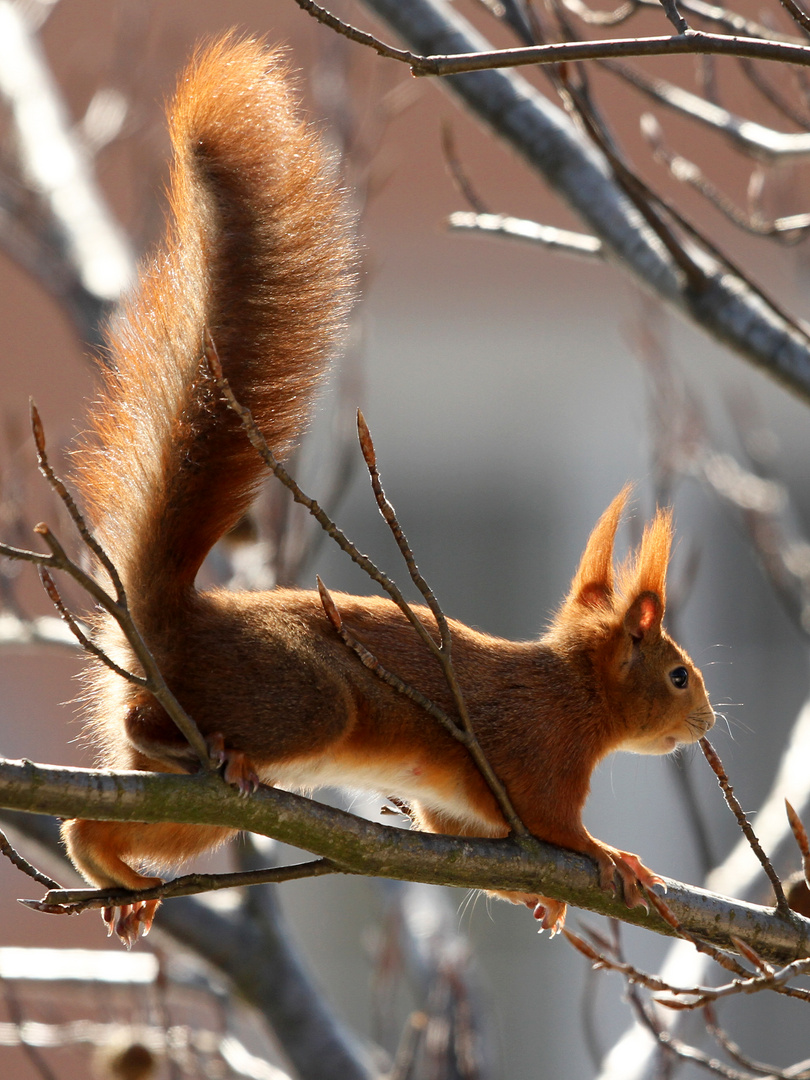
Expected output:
(103, 852)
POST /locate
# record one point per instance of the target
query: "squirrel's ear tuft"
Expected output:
(592, 586)
(646, 572)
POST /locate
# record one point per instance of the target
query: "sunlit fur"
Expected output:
(259, 255)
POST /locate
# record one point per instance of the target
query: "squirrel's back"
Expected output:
(259, 256)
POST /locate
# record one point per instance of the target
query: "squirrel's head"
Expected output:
(654, 694)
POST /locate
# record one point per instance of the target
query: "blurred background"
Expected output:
(508, 390)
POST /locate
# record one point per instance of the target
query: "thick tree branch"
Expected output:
(368, 848)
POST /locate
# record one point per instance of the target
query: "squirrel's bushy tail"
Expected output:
(258, 255)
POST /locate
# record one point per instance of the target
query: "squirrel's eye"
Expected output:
(679, 677)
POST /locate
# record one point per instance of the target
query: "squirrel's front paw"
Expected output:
(632, 874)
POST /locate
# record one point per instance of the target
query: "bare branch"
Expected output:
(442, 652)
(733, 21)
(59, 901)
(152, 678)
(79, 253)
(787, 230)
(373, 664)
(22, 864)
(69, 503)
(689, 42)
(728, 793)
(364, 847)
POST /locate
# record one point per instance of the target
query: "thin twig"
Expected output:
(355, 34)
(800, 834)
(116, 607)
(787, 230)
(687, 41)
(458, 173)
(318, 513)
(767, 979)
(442, 652)
(593, 17)
(390, 517)
(78, 519)
(780, 102)
(731, 1047)
(547, 236)
(23, 864)
(732, 21)
(155, 682)
(648, 205)
(711, 756)
(751, 138)
(754, 984)
(61, 901)
(724, 959)
(797, 13)
(373, 664)
(73, 625)
(692, 42)
(58, 560)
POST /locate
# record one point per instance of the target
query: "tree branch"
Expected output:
(364, 847)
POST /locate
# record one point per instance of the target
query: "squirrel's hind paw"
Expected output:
(130, 921)
(550, 914)
(237, 768)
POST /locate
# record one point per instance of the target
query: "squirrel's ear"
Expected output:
(593, 582)
(644, 616)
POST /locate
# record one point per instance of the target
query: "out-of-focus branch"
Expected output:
(148, 1044)
(759, 142)
(430, 62)
(44, 630)
(532, 232)
(725, 304)
(449, 1032)
(787, 230)
(732, 21)
(53, 219)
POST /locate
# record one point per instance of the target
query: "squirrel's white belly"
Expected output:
(406, 781)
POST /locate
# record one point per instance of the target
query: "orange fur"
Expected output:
(258, 254)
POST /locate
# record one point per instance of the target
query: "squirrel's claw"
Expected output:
(550, 914)
(631, 873)
(130, 921)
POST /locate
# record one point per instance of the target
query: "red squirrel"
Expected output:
(259, 256)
